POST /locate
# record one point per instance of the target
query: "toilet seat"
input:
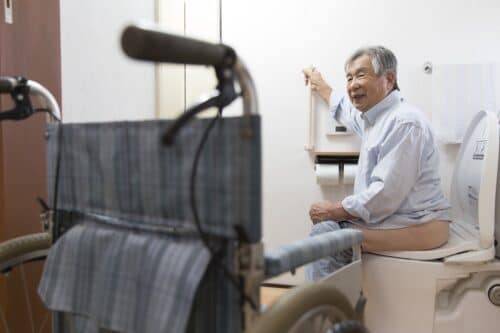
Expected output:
(458, 242)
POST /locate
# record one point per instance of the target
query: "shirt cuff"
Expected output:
(335, 101)
(355, 208)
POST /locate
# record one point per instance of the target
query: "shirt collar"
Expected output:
(385, 104)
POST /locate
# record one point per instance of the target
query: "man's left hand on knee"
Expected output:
(326, 210)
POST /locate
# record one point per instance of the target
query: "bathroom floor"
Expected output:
(269, 294)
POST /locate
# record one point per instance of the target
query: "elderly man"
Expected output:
(397, 201)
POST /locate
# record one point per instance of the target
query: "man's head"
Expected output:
(371, 74)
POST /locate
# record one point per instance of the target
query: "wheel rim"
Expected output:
(318, 320)
(36, 255)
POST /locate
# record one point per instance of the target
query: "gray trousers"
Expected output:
(322, 268)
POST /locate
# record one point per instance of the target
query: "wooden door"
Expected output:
(29, 47)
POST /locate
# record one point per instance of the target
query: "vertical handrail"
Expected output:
(311, 137)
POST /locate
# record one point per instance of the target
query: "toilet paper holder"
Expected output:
(341, 161)
(336, 159)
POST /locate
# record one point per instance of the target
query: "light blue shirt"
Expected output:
(397, 182)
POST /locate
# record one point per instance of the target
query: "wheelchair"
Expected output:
(156, 225)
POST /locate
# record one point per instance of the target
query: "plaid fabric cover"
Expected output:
(121, 170)
(133, 261)
(124, 281)
(216, 309)
(299, 253)
(217, 305)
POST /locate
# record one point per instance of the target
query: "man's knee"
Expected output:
(325, 226)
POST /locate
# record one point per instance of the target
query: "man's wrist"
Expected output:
(325, 94)
(339, 213)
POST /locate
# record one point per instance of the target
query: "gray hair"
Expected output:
(383, 60)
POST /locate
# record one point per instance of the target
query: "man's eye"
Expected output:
(361, 75)
(349, 79)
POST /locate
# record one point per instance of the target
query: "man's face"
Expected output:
(364, 87)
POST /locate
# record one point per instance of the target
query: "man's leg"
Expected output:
(419, 237)
(326, 266)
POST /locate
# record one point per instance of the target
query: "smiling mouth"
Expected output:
(356, 98)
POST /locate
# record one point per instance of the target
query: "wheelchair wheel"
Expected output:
(312, 308)
(21, 310)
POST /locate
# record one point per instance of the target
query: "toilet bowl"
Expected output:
(454, 288)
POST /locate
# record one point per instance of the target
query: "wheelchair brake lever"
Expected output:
(20, 112)
(23, 108)
(211, 101)
(223, 96)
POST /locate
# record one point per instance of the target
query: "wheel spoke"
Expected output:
(4, 321)
(311, 308)
(308, 326)
(318, 323)
(27, 296)
(322, 323)
(45, 319)
(318, 320)
(326, 325)
(17, 256)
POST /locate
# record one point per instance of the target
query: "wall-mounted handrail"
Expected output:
(311, 135)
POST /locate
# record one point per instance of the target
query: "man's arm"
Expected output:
(395, 175)
(318, 84)
(340, 106)
(326, 210)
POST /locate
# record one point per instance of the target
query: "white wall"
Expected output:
(180, 86)
(98, 82)
(277, 39)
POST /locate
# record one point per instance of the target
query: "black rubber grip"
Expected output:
(7, 84)
(158, 46)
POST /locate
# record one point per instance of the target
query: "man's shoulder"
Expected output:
(408, 114)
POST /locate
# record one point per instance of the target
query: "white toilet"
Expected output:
(455, 288)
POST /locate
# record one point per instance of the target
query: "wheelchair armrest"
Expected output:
(299, 253)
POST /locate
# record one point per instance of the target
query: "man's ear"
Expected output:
(391, 79)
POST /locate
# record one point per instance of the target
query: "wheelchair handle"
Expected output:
(15, 86)
(159, 46)
(154, 45)
(37, 89)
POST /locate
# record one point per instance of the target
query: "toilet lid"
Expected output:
(474, 182)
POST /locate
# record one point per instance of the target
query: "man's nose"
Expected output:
(353, 84)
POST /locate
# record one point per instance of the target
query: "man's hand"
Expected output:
(318, 85)
(326, 210)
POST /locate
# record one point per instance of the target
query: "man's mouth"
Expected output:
(357, 97)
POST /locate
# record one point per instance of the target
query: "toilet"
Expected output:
(454, 288)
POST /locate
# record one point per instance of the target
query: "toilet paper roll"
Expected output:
(327, 174)
(350, 171)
